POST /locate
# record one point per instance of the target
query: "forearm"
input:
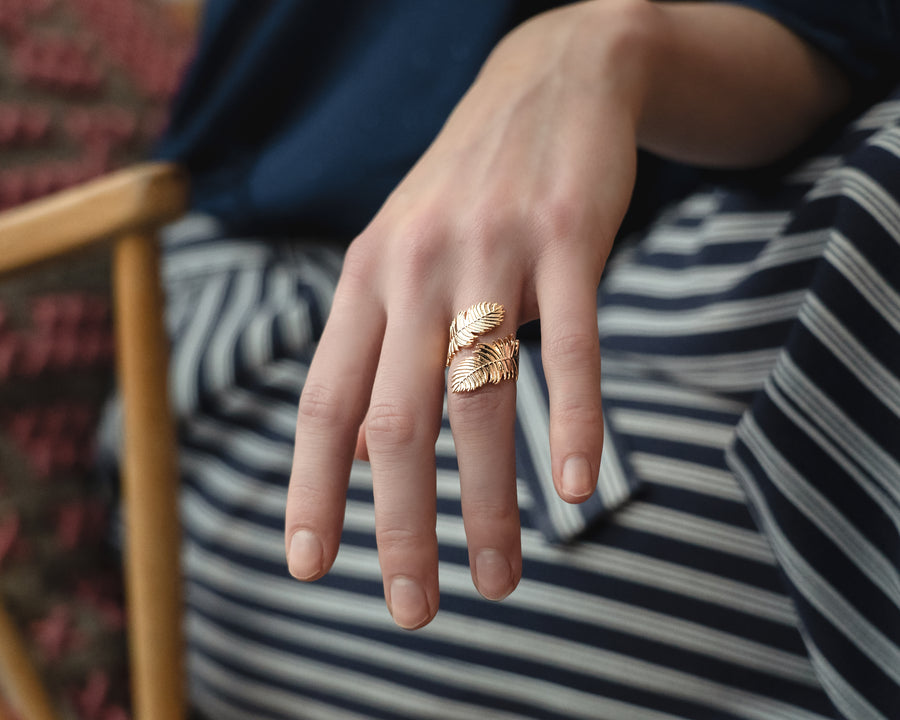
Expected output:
(730, 86)
(708, 83)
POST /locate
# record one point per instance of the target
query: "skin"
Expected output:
(517, 201)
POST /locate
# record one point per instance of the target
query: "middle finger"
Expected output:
(402, 425)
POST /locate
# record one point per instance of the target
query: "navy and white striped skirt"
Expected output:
(741, 558)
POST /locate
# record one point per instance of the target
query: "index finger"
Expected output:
(332, 405)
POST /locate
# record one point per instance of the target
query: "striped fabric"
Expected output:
(741, 559)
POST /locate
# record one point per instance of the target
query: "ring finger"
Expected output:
(483, 423)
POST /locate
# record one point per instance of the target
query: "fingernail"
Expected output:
(408, 603)
(493, 575)
(578, 482)
(305, 555)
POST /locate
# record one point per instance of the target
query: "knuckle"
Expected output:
(582, 412)
(356, 270)
(473, 409)
(558, 217)
(493, 515)
(572, 349)
(420, 246)
(306, 490)
(399, 538)
(390, 424)
(320, 406)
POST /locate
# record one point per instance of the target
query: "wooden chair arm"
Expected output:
(138, 197)
(18, 679)
(125, 207)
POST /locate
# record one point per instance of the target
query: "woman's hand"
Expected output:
(517, 202)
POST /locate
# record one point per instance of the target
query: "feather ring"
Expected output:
(471, 323)
(489, 363)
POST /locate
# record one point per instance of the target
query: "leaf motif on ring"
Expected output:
(472, 323)
(489, 363)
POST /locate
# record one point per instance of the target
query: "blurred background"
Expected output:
(85, 86)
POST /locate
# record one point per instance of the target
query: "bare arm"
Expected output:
(730, 86)
(708, 83)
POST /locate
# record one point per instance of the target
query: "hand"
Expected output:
(517, 201)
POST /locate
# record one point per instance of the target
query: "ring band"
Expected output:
(471, 323)
(490, 363)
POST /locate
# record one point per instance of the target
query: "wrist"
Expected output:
(620, 38)
(603, 49)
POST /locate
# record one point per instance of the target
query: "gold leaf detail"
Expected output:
(489, 363)
(471, 323)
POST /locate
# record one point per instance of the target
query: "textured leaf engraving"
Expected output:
(471, 323)
(489, 363)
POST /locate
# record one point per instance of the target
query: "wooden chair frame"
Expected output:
(125, 208)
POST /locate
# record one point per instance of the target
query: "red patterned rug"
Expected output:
(84, 85)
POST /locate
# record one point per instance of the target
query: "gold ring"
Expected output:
(472, 323)
(490, 362)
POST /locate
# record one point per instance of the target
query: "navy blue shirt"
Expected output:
(301, 116)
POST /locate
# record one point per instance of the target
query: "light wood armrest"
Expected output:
(138, 197)
(23, 686)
